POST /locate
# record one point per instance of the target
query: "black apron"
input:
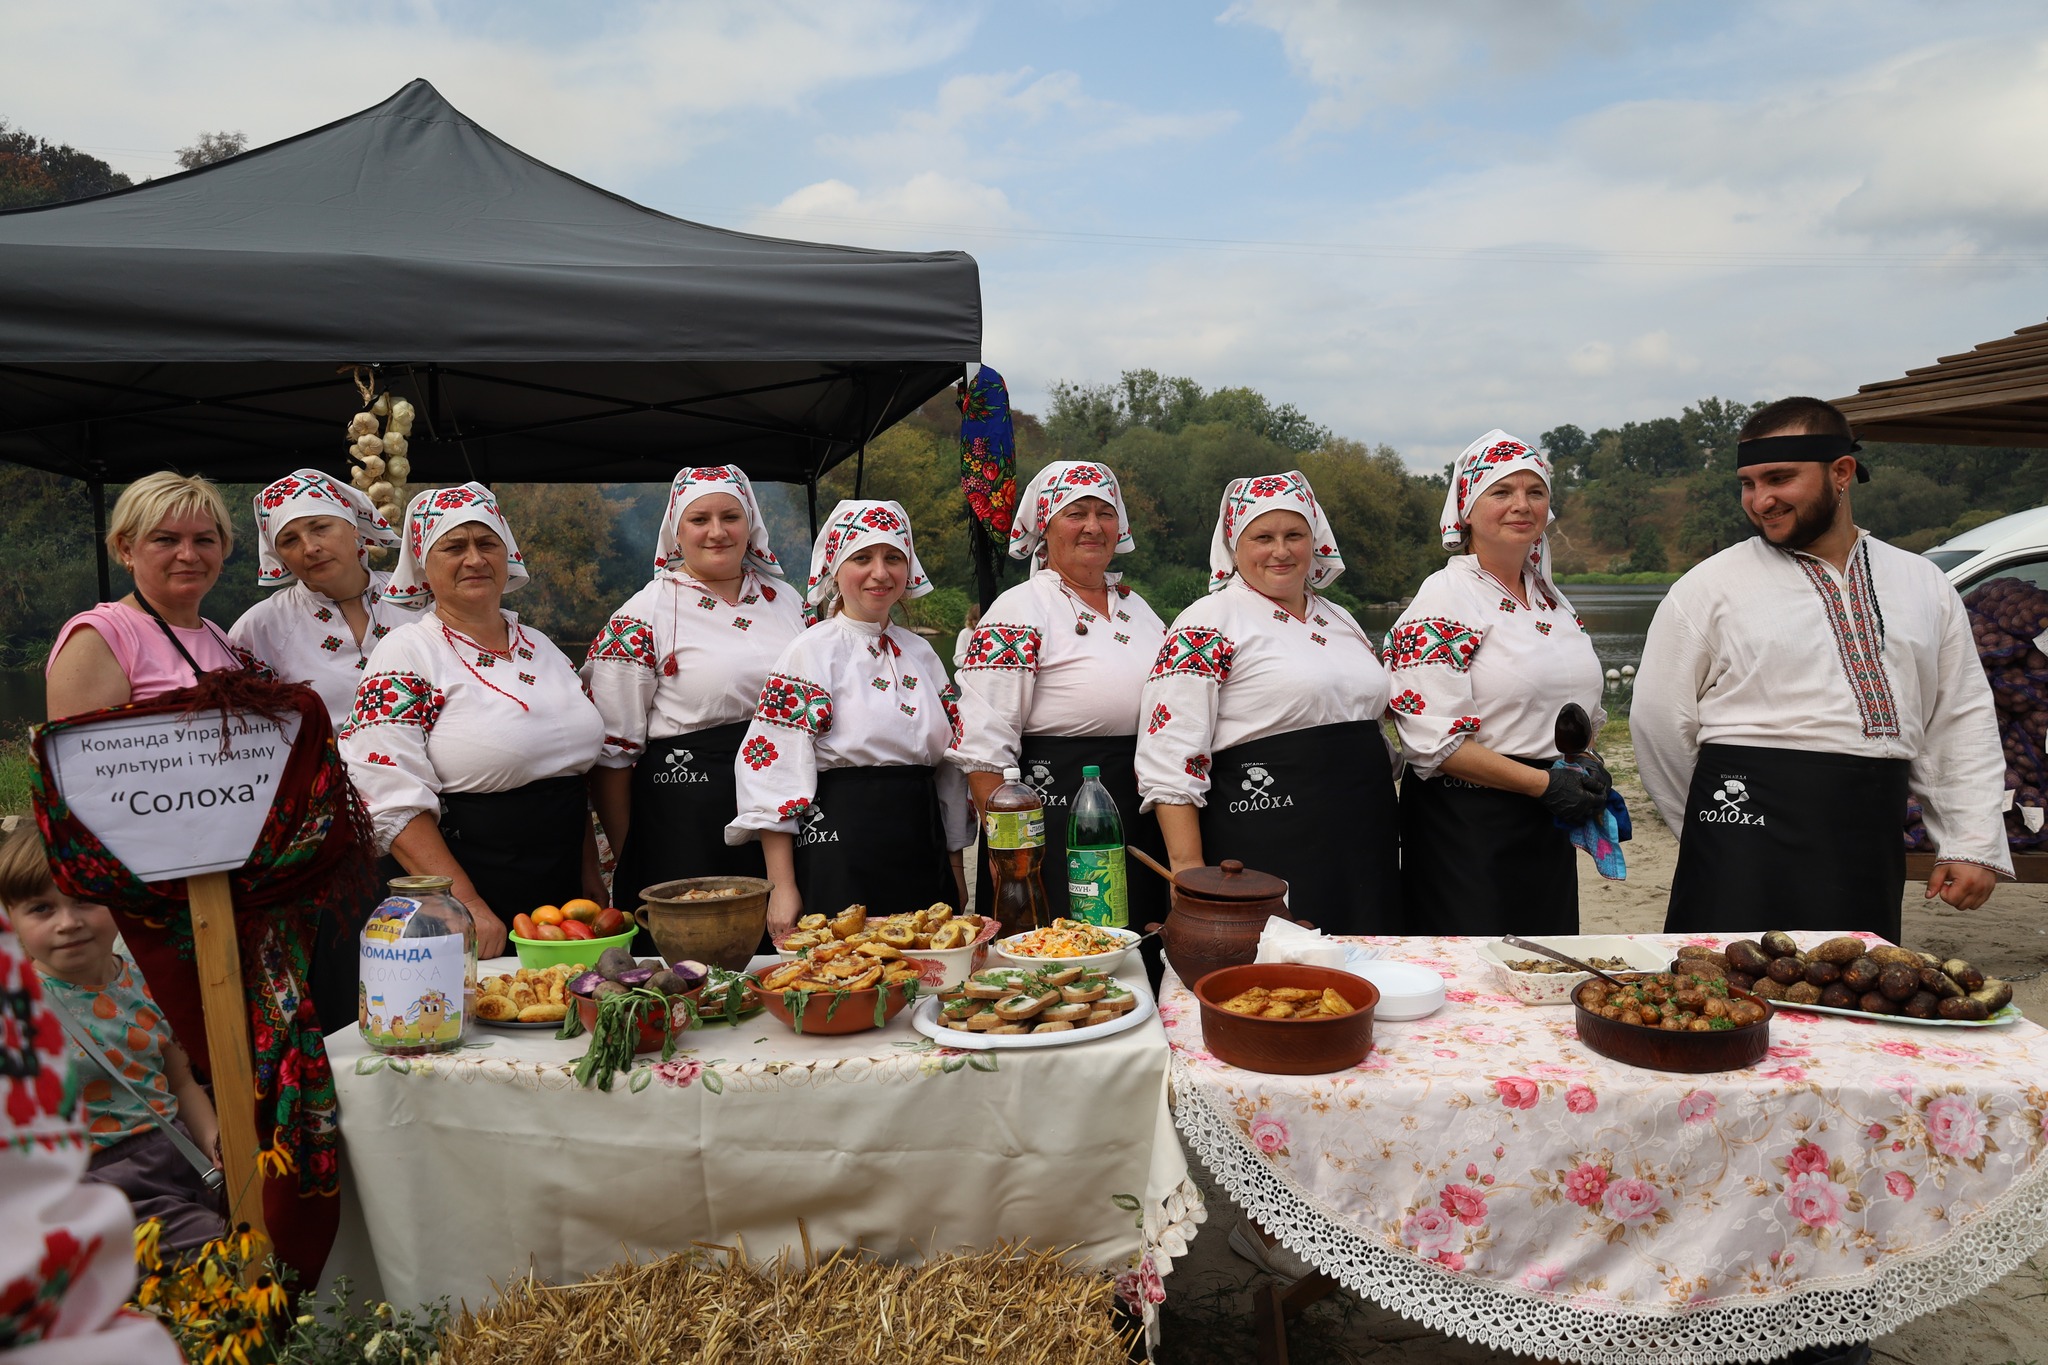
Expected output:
(873, 837)
(1051, 765)
(1317, 807)
(683, 798)
(1481, 861)
(522, 848)
(1788, 839)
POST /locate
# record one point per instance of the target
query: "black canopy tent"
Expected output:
(544, 329)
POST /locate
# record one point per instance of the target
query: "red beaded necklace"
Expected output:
(456, 639)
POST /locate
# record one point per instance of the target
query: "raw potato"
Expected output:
(1963, 1007)
(1884, 955)
(1921, 1005)
(1861, 974)
(1877, 1002)
(1940, 982)
(1742, 981)
(1838, 997)
(1802, 993)
(1838, 950)
(1786, 970)
(1695, 950)
(1769, 989)
(1822, 972)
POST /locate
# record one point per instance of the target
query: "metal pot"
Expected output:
(1218, 913)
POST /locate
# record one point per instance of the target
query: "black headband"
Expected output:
(1786, 449)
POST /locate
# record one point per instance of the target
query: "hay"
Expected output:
(1009, 1305)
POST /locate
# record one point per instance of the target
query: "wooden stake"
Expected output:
(219, 959)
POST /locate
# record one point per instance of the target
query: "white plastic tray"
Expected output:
(1555, 988)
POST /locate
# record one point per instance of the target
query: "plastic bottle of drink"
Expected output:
(1013, 828)
(1097, 887)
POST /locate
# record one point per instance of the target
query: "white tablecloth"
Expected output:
(477, 1165)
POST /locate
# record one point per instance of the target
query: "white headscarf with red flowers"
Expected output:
(692, 484)
(309, 493)
(1246, 500)
(1054, 486)
(854, 523)
(430, 516)
(1494, 456)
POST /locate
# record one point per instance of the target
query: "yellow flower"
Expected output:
(274, 1164)
(147, 1234)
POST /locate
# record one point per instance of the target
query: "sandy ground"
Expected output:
(1209, 1305)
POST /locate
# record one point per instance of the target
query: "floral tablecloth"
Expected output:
(1486, 1173)
(475, 1165)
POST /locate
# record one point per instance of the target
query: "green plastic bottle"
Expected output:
(1098, 887)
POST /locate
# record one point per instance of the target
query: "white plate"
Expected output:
(2003, 1017)
(1555, 988)
(925, 1018)
(1406, 990)
(553, 1026)
(1106, 963)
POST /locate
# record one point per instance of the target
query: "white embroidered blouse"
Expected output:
(436, 712)
(1237, 667)
(1761, 646)
(1028, 671)
(1468, 661)
(847, 694)
(302, 637)
(678, 658)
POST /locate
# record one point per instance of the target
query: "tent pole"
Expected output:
(860, 468)
(97, 490)
(811, 495)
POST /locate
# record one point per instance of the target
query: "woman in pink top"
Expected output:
(171, 533)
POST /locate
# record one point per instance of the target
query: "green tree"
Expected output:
(1710, 428)
(1621, 505)
(1897, 502)
(1647, 555)
(1657, 448)
(1567, 446)
(208, 148)
(36, 171)
(1713, 518)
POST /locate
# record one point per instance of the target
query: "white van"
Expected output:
(2011, 547)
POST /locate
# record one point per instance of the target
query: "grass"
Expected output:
(1619, 579)
(15, 768)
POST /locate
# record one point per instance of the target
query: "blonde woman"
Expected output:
(171, 533)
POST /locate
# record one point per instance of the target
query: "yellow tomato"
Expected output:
(582, 911)
(547, 914)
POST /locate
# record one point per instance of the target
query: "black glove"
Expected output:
(1573, 797)
(1596, 771)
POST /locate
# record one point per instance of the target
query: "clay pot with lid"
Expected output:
(1217, 915)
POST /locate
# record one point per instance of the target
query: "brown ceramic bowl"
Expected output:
(1286, 1047)
(653, 1022)
(723, 931)
(1657, 1049)
(854, 1013)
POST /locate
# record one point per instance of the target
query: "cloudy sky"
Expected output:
(1413, 219)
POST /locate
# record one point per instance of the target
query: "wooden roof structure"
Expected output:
(1995, 395)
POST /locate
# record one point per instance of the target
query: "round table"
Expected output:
(1488, 1175)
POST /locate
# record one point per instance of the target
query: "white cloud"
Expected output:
(1362, 57)
(591, 90)
(1592, 360)
(895, 216)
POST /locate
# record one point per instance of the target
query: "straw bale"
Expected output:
(1012, 1304)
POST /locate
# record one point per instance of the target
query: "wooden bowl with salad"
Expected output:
(1068, 943)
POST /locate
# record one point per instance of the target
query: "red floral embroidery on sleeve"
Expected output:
(1434, 641)
(625, 639)
(1001, 646)
(1198, 766)
(795, 704)
(396, 699)
(1197, 651)
(1465, 725)
(1410, 703)
(1161, 717)
(759, 753)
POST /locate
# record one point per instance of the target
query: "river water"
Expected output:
(1619, 617)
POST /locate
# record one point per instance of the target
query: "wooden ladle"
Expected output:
(1555, 956)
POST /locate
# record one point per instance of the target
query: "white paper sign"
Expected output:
(162, 795)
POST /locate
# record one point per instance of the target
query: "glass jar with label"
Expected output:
(418, 969)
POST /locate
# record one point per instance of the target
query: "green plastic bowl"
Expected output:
(540, 954)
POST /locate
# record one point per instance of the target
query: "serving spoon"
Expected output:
(1553, 954)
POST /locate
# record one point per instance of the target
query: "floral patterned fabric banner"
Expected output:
(1487, 1173)
(988, 453)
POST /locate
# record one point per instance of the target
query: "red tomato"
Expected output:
(550, 933)
(610, 921)
(576, 928)
(524, 926)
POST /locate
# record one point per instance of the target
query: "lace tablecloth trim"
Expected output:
(1506, 1317)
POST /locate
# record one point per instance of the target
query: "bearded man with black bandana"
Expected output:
(1795, 688)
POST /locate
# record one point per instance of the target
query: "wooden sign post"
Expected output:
(170, 796)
